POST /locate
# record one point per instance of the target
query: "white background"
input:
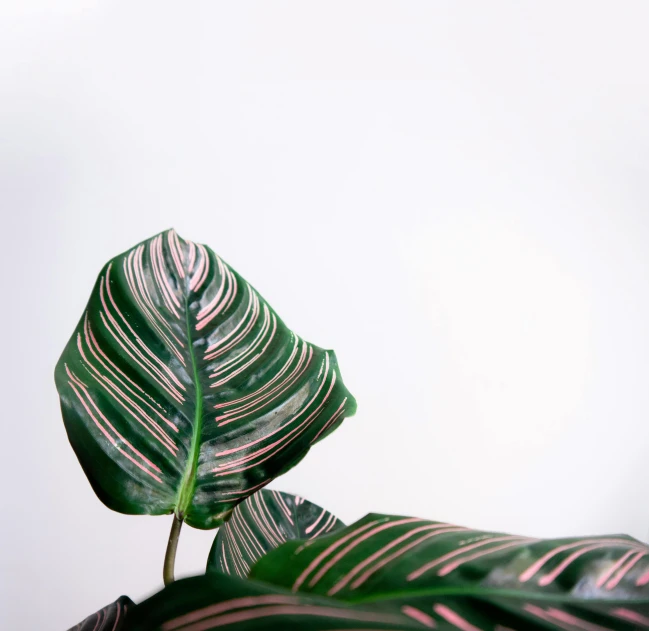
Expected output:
(452, 195)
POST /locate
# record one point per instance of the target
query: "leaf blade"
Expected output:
(111, 617)
(181, 390)
(217, 600)
(263, 522)
(453, 574)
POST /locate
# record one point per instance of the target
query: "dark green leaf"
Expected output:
(182, 391)
(439, 573)
(219, 601)
(263, 522)
(110, 618)
(402, 573)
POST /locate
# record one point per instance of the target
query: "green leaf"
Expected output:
(111, 618)
(263, 522)
(219, 601)
(405, 574)
(182, 391)
(448, 576)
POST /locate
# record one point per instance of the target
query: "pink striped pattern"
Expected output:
(110, 618)
(233, 612)
(167, 320)
(263, 522)
(454, 618)
(390, 561)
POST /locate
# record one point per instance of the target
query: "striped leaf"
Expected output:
(110, 618)
(219, 601)
(181, 389)
(446, 576)
(262, 523)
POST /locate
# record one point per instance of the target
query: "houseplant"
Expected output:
(183, 393)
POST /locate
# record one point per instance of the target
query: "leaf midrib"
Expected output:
(188, 481)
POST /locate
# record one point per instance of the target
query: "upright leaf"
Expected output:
(447, 576)
(111, 618)
(181, 389)
(262, 523)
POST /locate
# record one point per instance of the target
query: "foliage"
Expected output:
(183, 392)
(181, 389)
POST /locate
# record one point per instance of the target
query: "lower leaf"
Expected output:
(403, 573)
(111, 618)
(443, 574)
(216, 601)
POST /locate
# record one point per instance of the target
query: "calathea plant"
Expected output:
(184, 393)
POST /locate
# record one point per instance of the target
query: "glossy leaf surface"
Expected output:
(263, 522)
(181, 389)
(448, 576)
(110, 618)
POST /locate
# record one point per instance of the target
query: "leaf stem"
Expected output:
(170, 555)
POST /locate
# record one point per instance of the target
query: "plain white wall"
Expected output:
(453, 195)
